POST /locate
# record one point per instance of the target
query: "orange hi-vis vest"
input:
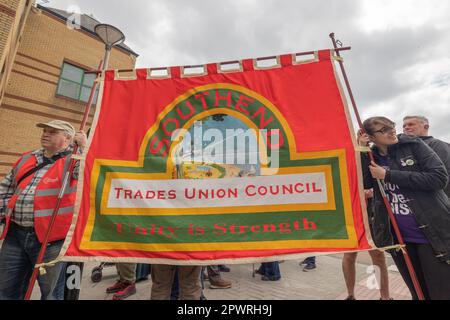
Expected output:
(46, 195)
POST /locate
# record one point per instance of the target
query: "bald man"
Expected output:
(418, 126)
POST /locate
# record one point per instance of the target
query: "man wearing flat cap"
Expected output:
(28, 196)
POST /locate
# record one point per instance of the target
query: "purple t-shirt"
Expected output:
(406, 221)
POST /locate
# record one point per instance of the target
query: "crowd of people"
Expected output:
(410, 170)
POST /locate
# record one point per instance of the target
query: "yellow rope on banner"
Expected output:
(78, 157)
(362, 149)
(397, 246)
(338, 58)
(42, 266)
(403, 248)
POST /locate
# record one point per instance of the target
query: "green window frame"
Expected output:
(74, 83)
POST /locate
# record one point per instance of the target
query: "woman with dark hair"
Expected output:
(413, 178)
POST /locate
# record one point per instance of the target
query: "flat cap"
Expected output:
(58, 124)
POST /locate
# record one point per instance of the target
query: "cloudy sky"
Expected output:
(399, 63)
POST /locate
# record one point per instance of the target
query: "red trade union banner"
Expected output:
(168, 177)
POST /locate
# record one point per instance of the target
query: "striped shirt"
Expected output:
(23, 213)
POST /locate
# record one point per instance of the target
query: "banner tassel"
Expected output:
(42, 266)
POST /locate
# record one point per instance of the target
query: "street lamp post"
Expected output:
(111, 36)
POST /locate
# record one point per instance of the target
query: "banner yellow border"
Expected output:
(351, 242)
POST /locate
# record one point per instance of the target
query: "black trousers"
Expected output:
(433, 275)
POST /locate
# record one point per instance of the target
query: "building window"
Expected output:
(75, 83)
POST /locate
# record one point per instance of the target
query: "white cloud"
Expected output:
(385, 15)
(398, 64)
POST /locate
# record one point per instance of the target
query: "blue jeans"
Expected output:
(60, 288)
(18, 255)
(175, 292)
(271, 270)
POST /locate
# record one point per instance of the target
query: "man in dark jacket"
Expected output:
(418, 126)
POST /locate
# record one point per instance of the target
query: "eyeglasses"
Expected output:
(385, 130)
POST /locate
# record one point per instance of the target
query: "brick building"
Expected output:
(13, 15)
(46, 78)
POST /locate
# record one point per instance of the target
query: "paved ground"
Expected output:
(326, 282)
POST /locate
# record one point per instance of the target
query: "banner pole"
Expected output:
(65, 181)
(411, 271)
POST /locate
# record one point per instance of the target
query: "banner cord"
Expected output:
(42, 266)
